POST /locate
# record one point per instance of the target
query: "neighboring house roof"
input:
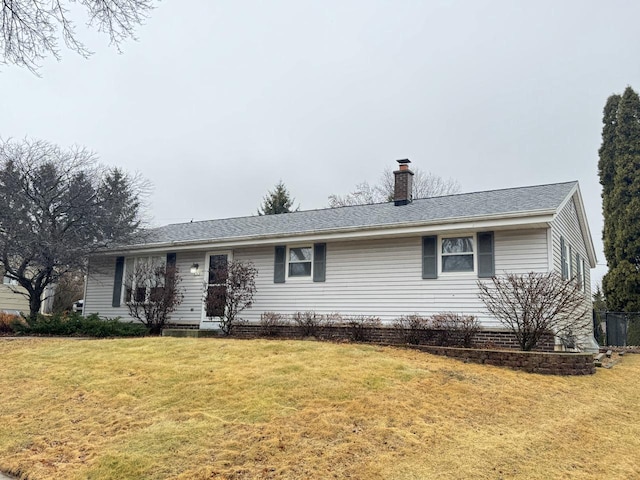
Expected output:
(509, 203)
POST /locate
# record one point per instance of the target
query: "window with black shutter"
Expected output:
(486, 255)
(430, 257)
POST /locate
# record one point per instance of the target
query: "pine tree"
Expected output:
(620, 160)
(277, 201)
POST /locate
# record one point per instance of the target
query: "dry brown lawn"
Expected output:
(161, 408)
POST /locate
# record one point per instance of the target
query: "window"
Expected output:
(457, 254)
(300, 259)
(140, 285)
(9, 281)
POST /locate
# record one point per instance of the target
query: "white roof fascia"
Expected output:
(521, 220)
(584, 225)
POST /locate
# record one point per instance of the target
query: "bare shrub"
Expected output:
(455, 328)
(443, 326)
(467, 326)
(8, 320)
(360, 327)
(332, 319)
(270, 323)
(413, 329)
(308, 323)
(534, 304)
(153, 293)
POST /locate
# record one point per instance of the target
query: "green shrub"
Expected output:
(75, 325)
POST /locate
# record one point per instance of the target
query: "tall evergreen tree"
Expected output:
(620, 176)
(277, 201)
(606, 170)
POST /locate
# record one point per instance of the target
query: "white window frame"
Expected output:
(288, 262)
(12, 282)
(474, 253)
(161, 260)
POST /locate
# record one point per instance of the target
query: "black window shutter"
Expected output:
(171, 260)
(430, 257)
(279, 264)
(486, 255)
(117, 282)
(319, 261)
(570, 275)
(563, 260)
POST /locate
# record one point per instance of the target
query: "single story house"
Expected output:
(12, 298)
(387, 260)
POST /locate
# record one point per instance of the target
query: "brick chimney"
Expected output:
(403, 183)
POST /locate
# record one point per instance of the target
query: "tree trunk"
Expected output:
(35, 302)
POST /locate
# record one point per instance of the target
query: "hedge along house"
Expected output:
(391, 259)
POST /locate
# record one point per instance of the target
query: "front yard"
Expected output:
(157, 408)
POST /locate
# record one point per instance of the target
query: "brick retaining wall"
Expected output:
(544, 362)
(492, 339)
(532, 362)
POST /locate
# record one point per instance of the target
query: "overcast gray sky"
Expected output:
(218, 100)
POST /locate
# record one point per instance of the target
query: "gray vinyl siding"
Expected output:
(190, 310)
(11, 299)
(99, 288)
(382, 278)
(522, 251)
(100, 280)
(567, 225)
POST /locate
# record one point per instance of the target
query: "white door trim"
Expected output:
(205, 322)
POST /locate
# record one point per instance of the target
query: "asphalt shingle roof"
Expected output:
(426, 210)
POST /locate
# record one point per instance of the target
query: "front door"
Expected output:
(215, 294)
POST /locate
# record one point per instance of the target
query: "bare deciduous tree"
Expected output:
(233, 293)
(30, 29)
(56, 208)
(153, 293)
(69, 289)
(536, 304)
(425, 184)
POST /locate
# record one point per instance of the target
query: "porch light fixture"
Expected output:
(194, 269)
